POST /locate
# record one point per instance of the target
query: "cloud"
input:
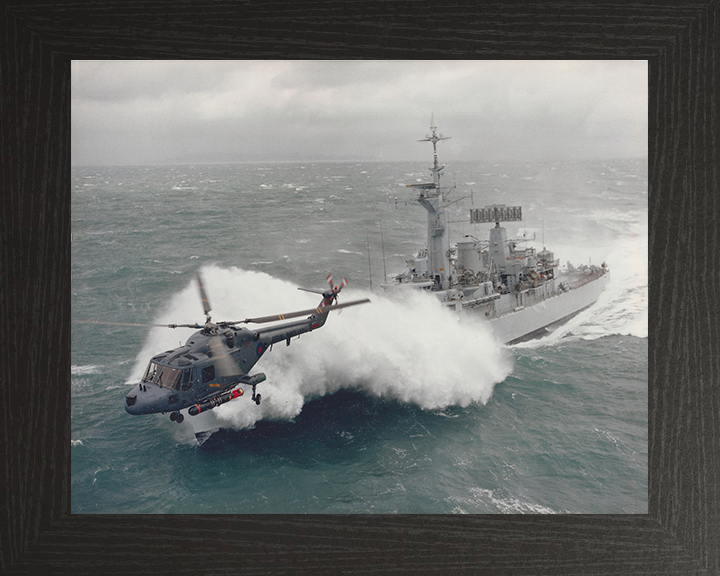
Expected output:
(160, 111)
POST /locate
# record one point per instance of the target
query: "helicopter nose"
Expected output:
(147, 398)
(131, 402)
(137, 401)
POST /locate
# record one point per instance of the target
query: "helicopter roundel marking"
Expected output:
(260, 349)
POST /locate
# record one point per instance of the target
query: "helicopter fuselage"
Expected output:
(188, 375)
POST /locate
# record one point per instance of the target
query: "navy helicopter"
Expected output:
(214, 364)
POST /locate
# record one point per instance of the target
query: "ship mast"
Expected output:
(432, 199)
(434, 138)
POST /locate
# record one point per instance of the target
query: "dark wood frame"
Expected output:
(680, 535)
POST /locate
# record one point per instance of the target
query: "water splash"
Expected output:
(412, 350)
(622, 308)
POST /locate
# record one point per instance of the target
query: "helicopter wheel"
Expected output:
(179, 418)
(173, 416)
(257, 399)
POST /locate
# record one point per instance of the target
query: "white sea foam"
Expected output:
(84, 370)
(508, 505)
(412, 350)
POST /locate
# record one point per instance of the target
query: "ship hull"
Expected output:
(538, 319)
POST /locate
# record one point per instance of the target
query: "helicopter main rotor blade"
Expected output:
(346, 304)
(203, 295)
(319, 310)
(136, 324)
(222, 359)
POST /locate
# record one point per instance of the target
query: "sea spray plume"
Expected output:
(411, 349)
(622, 308)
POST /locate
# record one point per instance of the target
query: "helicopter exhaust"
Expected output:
(216, 401)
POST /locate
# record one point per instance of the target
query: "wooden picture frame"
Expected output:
(680, 535)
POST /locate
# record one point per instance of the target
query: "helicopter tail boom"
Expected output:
(318, 317)
(320, 310)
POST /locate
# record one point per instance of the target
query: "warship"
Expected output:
(523, 293)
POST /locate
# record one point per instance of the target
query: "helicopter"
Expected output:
(214, 364)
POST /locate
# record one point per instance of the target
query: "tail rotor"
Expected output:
(331, 296)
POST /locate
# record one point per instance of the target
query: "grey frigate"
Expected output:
(523, 293)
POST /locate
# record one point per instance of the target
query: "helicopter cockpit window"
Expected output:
(169, 377)
(151, 372)
(163, 375)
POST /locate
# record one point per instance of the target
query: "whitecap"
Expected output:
(84, 370)
(510, 505)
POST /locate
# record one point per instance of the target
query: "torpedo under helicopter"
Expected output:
(214, 364)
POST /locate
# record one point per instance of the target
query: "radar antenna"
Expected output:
(434, 138)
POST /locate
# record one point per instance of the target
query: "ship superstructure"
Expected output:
(522, 292)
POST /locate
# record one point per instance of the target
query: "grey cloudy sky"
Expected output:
(150, 112)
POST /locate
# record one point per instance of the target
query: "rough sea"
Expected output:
(397, 406)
